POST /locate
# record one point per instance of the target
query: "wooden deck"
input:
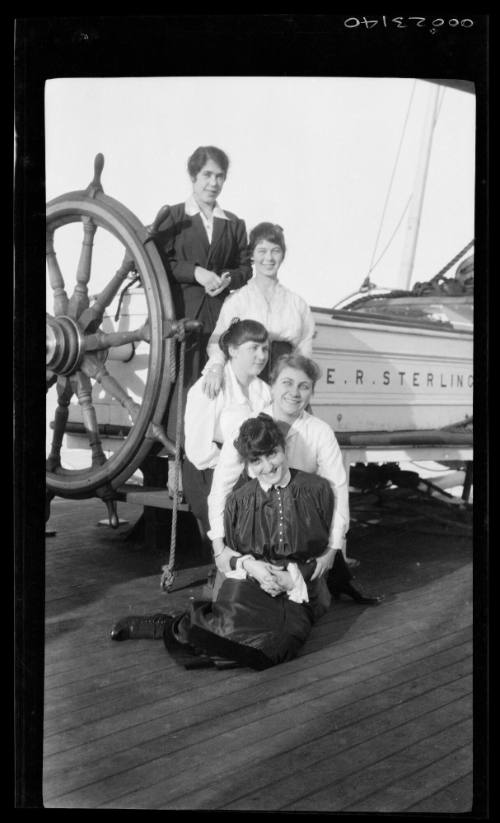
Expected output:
(375, 715)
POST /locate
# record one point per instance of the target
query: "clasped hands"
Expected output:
(271, 579)
(275, 580)
(212, 283)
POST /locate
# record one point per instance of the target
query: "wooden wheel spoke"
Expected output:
(56, 279)
(50, 379)
(92, 316)
(64, 394)
(83, 390)
(80, 297)
(95, 368)
(101, 340)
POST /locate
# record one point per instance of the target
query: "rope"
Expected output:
(434, 286)
(441, 95)
(373, 264)
(418, 289)
(172, 361)
(389, 189)
(168, 575)
(391, 238)
(122, 295)
(452, 261)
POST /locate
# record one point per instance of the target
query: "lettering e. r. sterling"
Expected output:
(388, 377)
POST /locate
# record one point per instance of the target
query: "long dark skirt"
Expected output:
(249, 626)
(197, 486)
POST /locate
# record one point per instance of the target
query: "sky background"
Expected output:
(315, 155)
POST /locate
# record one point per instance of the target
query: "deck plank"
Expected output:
(300, 685)
(377, 694)
(218, 717)
(457, 795)
(433, 745)
(417, 786)
(197, 765)
(214, 697)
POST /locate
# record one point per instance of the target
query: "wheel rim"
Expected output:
(74, 371)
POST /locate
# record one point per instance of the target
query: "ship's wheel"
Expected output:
(85, 353)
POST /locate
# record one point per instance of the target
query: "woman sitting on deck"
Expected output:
(277, 527)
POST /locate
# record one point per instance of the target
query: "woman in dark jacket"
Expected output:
(204, 249)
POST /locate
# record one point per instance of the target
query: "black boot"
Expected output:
(339, 582)
(141, 627)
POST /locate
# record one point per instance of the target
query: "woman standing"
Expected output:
(205, 252)
(208, 422)
(286, 316)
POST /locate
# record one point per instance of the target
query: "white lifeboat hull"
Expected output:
(379, 376)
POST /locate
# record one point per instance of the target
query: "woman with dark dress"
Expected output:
(204, 249)
(276, 527)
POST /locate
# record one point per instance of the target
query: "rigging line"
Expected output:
(440, 103)
(373, 265)
(452, 261)
(392, 175)
(391, 238)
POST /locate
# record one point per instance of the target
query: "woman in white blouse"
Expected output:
(311, 446)
(286, 316)
(208, 421)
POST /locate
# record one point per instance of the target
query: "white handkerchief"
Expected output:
(299, 592)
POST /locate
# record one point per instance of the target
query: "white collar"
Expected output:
(299, 421)
(302, 418)
(252, 283)
(235, 385)
(192, 208)
(284, 482)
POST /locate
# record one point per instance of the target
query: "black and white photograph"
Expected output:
(250, 546)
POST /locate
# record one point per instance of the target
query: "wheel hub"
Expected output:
(64, 345)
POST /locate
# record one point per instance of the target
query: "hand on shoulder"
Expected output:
(213, 380)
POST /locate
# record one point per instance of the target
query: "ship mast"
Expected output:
(417, 200)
